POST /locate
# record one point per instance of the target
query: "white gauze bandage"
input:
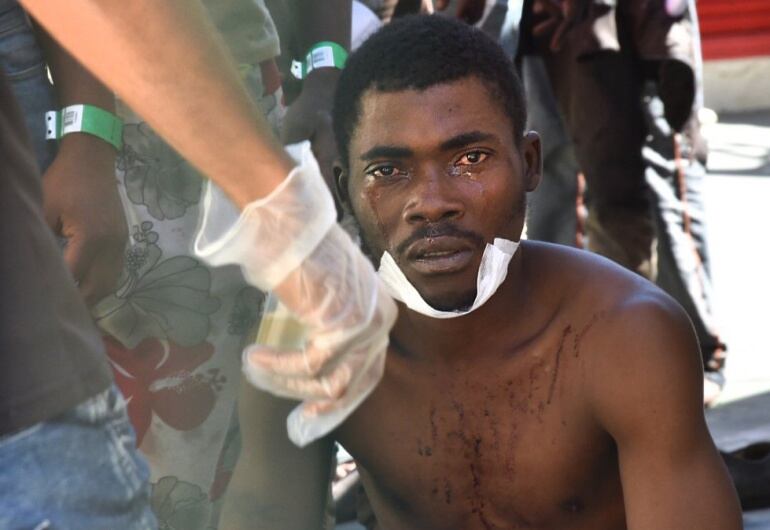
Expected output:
(492, 273)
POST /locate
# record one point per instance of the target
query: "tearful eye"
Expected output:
(384, 171)
(472, 158)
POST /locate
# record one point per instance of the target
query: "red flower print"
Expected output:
(156, 377)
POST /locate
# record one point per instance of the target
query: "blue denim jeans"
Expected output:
(80, 470)
(22, 61)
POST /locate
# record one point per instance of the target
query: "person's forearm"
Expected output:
(76, 85)
(309, 116)
(316, 21)
(274, 484)
(165, 60)
(80, 194)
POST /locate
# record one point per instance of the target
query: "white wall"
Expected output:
(737, 84)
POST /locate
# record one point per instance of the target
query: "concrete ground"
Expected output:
(738, 202)
(737, 84)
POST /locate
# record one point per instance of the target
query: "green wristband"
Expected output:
(86, 119)
(324, 54)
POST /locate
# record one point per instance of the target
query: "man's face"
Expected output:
(434, 176)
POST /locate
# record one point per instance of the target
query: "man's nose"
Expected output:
(433, 198)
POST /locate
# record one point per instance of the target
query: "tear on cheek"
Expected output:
(466, 173)
(372, 194)
(459, 171)
(370, 221)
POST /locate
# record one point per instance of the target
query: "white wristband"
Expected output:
(325, 54)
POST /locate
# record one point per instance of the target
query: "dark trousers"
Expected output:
(663, 228)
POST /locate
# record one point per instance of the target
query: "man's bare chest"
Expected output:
(482, 447)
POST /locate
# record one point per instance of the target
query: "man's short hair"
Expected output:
(416, 53)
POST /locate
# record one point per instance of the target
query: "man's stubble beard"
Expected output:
(450, 302)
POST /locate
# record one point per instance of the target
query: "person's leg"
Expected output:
(600, 97)
(79, 470)
(552, 214)
(677, 177)
(676, 174)
(22, 61)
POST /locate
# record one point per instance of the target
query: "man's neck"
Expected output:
(420, 336)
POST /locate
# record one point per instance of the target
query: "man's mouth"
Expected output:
(440, 255)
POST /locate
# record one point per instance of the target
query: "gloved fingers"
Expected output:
(310, 361)
(330, 385)
(315, 418)
(313, 409)
(366, 376)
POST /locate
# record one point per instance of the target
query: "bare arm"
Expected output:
(168, 64)
(275, 485)
(80, 191)
(309, 117)
(318, 21)
(647, 393)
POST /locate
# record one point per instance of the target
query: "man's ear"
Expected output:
(341, 184)
(532, 155)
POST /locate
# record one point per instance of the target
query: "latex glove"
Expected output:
(81, 203)
(344, 358)
(290, 244)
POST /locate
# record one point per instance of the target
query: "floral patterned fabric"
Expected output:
(174, 329)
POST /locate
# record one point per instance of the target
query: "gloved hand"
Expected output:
(290, 244)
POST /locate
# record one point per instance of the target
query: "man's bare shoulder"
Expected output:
(630, 323)
(581, 273)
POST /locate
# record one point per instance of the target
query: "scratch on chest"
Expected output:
(459, 409)
(582, 333)
(557, 363)
(433, 426)
(477, 502)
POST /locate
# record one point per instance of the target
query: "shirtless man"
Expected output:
(571, 399)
